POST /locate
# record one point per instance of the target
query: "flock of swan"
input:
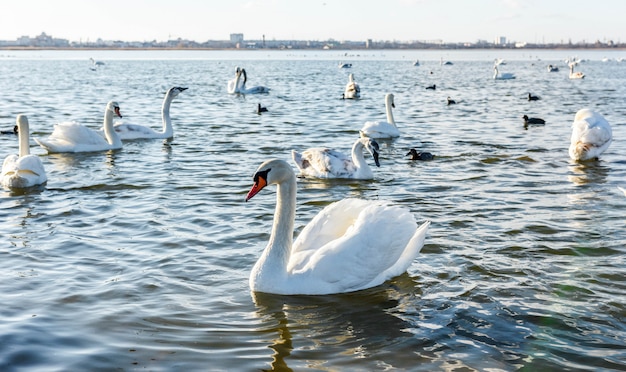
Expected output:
(591, 132)
(25, 171)
(238, 84)
(497, 75)
(342, 248)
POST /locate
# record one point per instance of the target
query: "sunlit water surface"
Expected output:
(138, 259)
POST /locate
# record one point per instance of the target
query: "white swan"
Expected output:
(74, 137)
(379, 129)
(235, 84)
(254, 90)
(352, 89)
(575, 75)
(96, 63)
(591, 135)
(23, 170)
(350, 245)
(502, 75)
(322, 162)
(135, 131)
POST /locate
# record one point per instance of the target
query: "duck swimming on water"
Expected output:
(419, 155)
(15, 130)
(528, 120)
(260, 109)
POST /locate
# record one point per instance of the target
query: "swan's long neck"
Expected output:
(23, 134)
(357, 156)
(165, 116)
(245, 78)
(278, 248)
(237, 79)
(109, 132)
(388, 107)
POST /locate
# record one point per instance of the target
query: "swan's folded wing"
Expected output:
(74, 133)
(591, 130)
(324, 162)
(379, 129)
(135, 131)
(599, 131)
(33, 165)
(9, 164)
(329, 224)
(366, 253)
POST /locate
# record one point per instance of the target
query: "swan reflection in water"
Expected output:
(68, 162)
(591, 172)
(355, 325)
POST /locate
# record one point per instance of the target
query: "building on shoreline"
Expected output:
(237, 41)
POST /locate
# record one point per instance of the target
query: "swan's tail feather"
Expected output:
(297, 158)
(412, 249)
(43, 144)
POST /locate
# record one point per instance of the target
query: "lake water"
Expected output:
(138, 259)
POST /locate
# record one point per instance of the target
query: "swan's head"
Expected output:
(273, 171)
(175, 91)
(114, 107)
(22, 122)
(372, 147)
(389, 99)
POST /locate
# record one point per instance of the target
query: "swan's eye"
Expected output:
(261, 174)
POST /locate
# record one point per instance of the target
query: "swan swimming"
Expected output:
(23, 170)
(74, 137)
(575, 75)
(254, 90)
(352, 89)
(328, 163)
(591, 135)
(235, 84)
(96, 63)
(135, 131)
(379, 129)
(502, 75)
(352, 244)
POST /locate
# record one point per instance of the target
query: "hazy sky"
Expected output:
(401, 20)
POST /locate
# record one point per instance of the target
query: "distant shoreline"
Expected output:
(569, 47)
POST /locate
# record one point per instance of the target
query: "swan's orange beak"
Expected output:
(117, 112)
(259, 184)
